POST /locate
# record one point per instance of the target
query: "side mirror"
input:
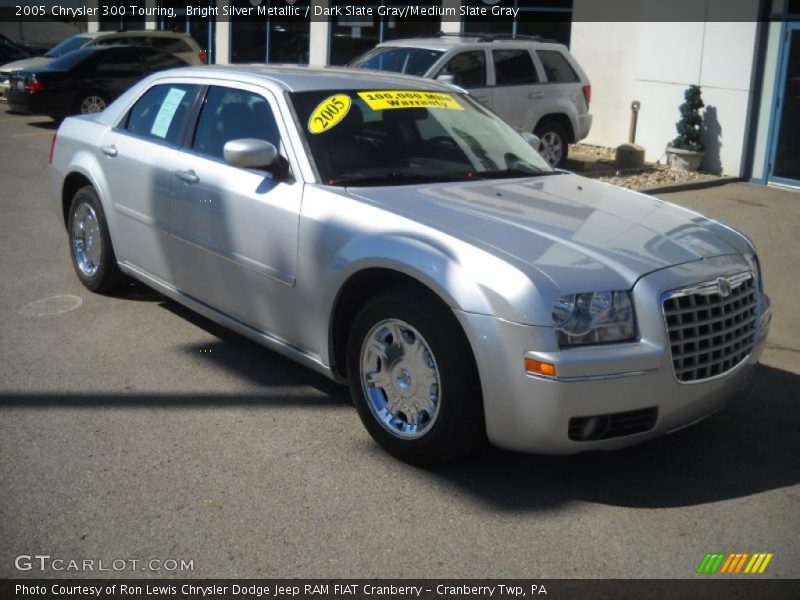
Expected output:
(250, 153)
(532, 139)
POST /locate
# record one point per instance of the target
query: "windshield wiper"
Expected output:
(395, 178)
(501, 173)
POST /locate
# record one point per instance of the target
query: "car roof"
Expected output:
(294, 78)
(448, 42)
(134, 33)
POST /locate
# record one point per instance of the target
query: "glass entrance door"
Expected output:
(786, 136)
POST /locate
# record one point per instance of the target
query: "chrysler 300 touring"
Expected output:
(392, 233)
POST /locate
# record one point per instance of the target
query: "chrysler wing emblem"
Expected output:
(724, 287)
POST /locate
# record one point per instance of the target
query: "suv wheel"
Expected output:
(413, 379)
(553, 147)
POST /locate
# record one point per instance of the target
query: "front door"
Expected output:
(785, 158)
(234, 231)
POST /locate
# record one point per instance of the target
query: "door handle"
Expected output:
(110, 150)
(536, 95)
(188, 176)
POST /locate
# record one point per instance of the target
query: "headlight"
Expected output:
(594, 318)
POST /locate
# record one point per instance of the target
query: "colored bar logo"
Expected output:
(736, 562)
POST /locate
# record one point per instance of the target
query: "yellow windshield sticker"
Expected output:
(388, 99)
(329, 113)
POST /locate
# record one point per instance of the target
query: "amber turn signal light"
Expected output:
(537, 367)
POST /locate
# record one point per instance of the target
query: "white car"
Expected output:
(392, 233)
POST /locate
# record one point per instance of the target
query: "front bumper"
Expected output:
(533, 414)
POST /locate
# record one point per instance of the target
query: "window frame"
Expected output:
(534, 64)
(565, 59)
(447, 58)
(122, 126)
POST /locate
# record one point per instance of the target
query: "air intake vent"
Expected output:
(604, 427)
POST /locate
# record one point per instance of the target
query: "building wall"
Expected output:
(654, 62)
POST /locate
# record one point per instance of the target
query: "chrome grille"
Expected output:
(711, 326)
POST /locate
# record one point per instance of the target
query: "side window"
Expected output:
(231, 114)
(114, 41)
(514, 67)
(468, 69)
(556, 67)
(161, 112)
(122, 61)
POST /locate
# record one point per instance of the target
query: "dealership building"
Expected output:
(745, 54)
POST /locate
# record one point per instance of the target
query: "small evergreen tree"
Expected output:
(690, 127)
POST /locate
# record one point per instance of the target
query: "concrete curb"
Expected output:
(689, 185)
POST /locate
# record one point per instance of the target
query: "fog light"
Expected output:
(537, 367)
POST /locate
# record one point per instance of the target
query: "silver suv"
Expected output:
(535, 85)
(181, 45)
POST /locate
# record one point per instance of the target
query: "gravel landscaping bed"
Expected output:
(651, 177)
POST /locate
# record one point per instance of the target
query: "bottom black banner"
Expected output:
(422, 589)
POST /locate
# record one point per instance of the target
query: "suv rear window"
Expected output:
(513, 67)
(556, 67)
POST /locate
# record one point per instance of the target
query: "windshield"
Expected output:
(411, 61)
(67, 46)
(395, 137)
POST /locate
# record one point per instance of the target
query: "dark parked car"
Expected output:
(85, 80)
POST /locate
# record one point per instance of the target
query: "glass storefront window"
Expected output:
(202, 30)
(550, 19)
(273, 39)
(352, 36)
(121, 22)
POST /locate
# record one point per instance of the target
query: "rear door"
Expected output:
(234, 231)
(137, 159)
(518, 91)
(468, 70)
(563, 91)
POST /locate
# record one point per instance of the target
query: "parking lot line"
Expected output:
(31, 134)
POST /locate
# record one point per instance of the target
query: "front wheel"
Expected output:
(90, 243)
(413, 379)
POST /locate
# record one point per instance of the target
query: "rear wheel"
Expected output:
(92, 102)
(413, 379)
(90, 244)
(554, 143)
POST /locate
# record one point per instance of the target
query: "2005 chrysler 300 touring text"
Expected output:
(391, 232)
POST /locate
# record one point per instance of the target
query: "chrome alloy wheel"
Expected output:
(400, 379)
(92, 104)
(551, 148)
(86, 243)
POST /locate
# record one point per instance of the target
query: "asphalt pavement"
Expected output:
(133, 429)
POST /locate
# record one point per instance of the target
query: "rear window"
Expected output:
(514, 67)
(556, 67)
(70, 60)
(411, 61)
(67, 46)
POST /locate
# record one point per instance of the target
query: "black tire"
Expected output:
(459, 427)
(552, 128)
(87, 96)
(107, 277)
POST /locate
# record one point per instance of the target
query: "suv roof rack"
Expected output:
(491, 37)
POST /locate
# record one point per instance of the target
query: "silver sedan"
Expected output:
(393, 234)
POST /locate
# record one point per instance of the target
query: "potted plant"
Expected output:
(686, 151)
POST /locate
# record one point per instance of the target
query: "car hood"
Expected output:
(583, 234)
(25, 64)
